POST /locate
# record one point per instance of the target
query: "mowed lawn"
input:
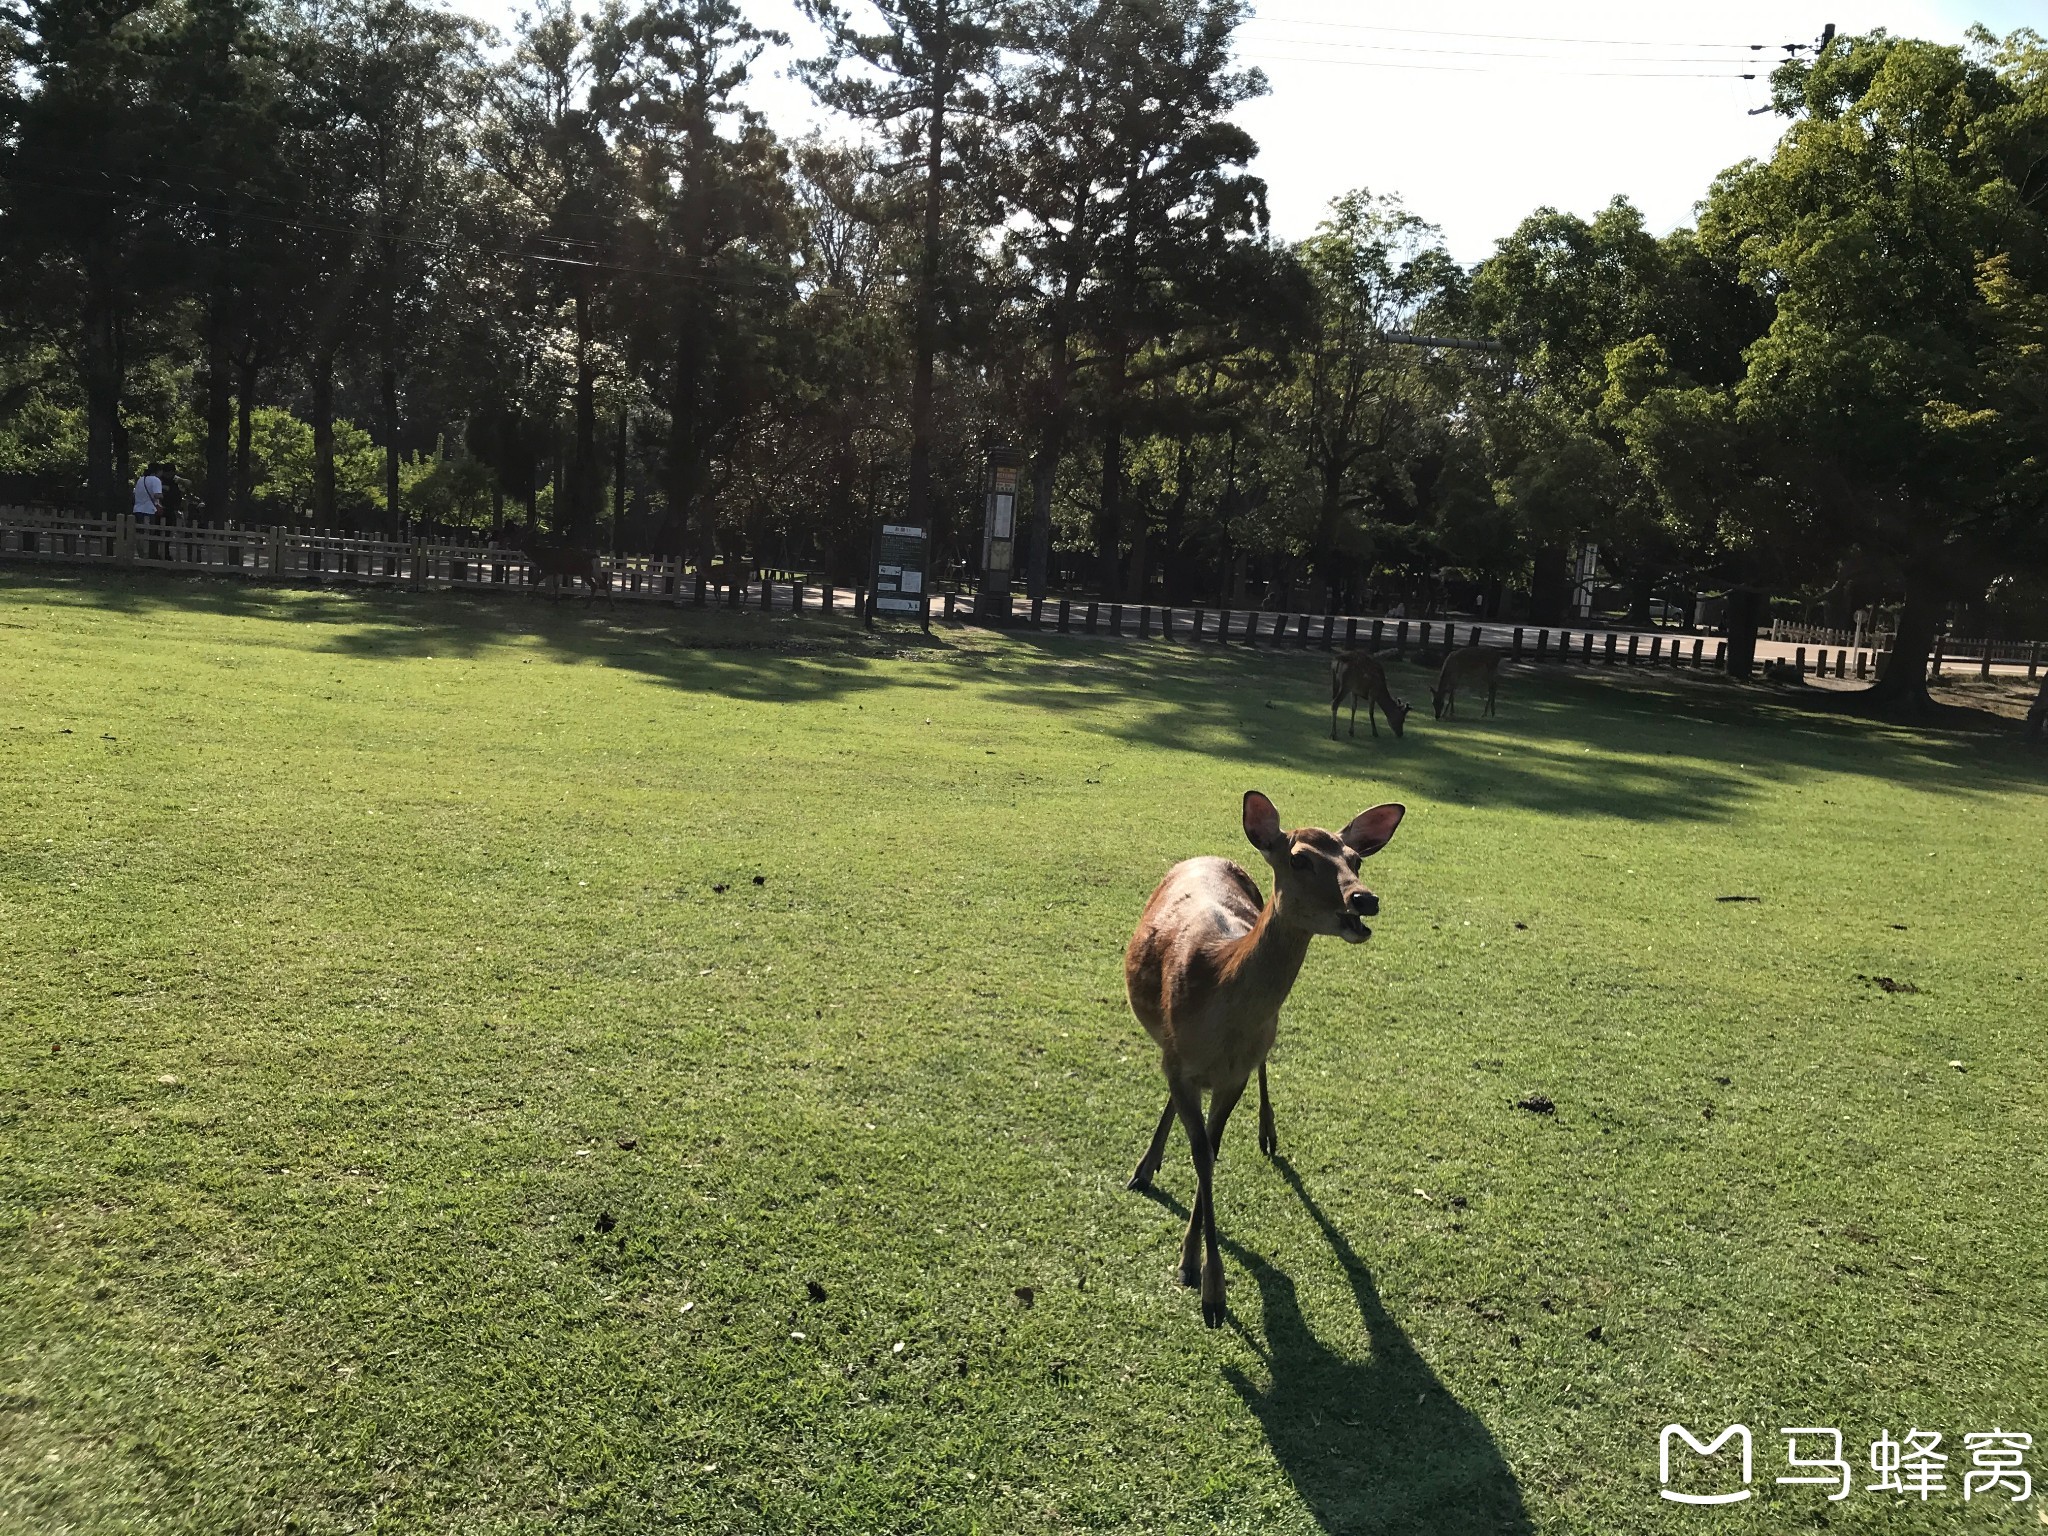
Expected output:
(480, 1065)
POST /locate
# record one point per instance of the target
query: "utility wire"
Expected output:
(1496, 53)
(1480, 69)
(1521, 37)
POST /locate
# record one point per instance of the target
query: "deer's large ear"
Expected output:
(1372, 830)
(1261, 821)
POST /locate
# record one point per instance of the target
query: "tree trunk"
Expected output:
(2037, 717)
(585, 477)
(927, 326)
(1739, 620)
(1550, 585)
(387, 385)
(1639, 590)
(124, 463)
(323, 439)
(219, 409)
(1175, 531)
(1902, 687)
(1141, 554)
(1328, 576)
(245, 404)
(1052, 443)
(1109, 533)
(685, 454)
(619, 484)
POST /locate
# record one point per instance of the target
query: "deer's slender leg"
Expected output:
(1336, 698)
(1187, 1104)
(1492, 687)
(1154, 1154)
(1269, 1140)
(1221, 1102)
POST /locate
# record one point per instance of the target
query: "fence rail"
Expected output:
(284, 554)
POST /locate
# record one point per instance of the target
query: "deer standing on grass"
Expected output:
(1360, 674)
(565, 561)
(1469, 667)
(1206, 973)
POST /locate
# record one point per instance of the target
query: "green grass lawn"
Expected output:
(491, 1066)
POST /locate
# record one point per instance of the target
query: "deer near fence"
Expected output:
(566, 562)
(1206, 972)
(1468, 668)
(1361, 675)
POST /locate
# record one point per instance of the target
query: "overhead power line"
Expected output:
(1501, 53)
(1524, 37)
(1480, 69)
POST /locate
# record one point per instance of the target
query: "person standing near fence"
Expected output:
(149, 494)
(149, 506)
(173, 495)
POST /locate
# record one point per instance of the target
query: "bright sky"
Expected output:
(1476, 112)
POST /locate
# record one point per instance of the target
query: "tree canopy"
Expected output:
(359, 262)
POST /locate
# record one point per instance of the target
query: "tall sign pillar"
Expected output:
(999, 531)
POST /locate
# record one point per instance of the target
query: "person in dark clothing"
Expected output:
(174, 493)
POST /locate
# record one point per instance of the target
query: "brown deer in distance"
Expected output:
(560, 562)
(1362, 676)
(1467, 668)
(1206, 972)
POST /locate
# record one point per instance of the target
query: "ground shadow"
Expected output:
(1372, 1441)
(1372, 1444)
(1630, 744)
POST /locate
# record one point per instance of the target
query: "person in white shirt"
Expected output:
(149, 494)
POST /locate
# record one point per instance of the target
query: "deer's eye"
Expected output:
(1300, 861)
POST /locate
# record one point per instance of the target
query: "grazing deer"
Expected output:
(1360, 674)
(1470, 666)
(566, 561)
(1207, 971)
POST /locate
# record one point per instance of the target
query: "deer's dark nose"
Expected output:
(1365, 904)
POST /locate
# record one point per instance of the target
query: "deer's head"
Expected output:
(1315, 873)
(1397, 715)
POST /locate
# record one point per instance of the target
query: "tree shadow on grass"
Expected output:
(1373, 1444)
(1633, 744)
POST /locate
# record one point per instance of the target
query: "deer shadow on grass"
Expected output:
(1373, 1443)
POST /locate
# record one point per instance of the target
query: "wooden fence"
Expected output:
(1949, 651)
(284, 554)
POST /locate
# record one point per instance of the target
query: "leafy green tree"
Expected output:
(227, 187)
(81, 150)
(1568, 299)
(924, 78)
(554, 199)
(383, 91)
(1354, 402)
(1135, 221)
(1898, 231)
(709, 240)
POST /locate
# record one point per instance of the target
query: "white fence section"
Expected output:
(284, 554)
